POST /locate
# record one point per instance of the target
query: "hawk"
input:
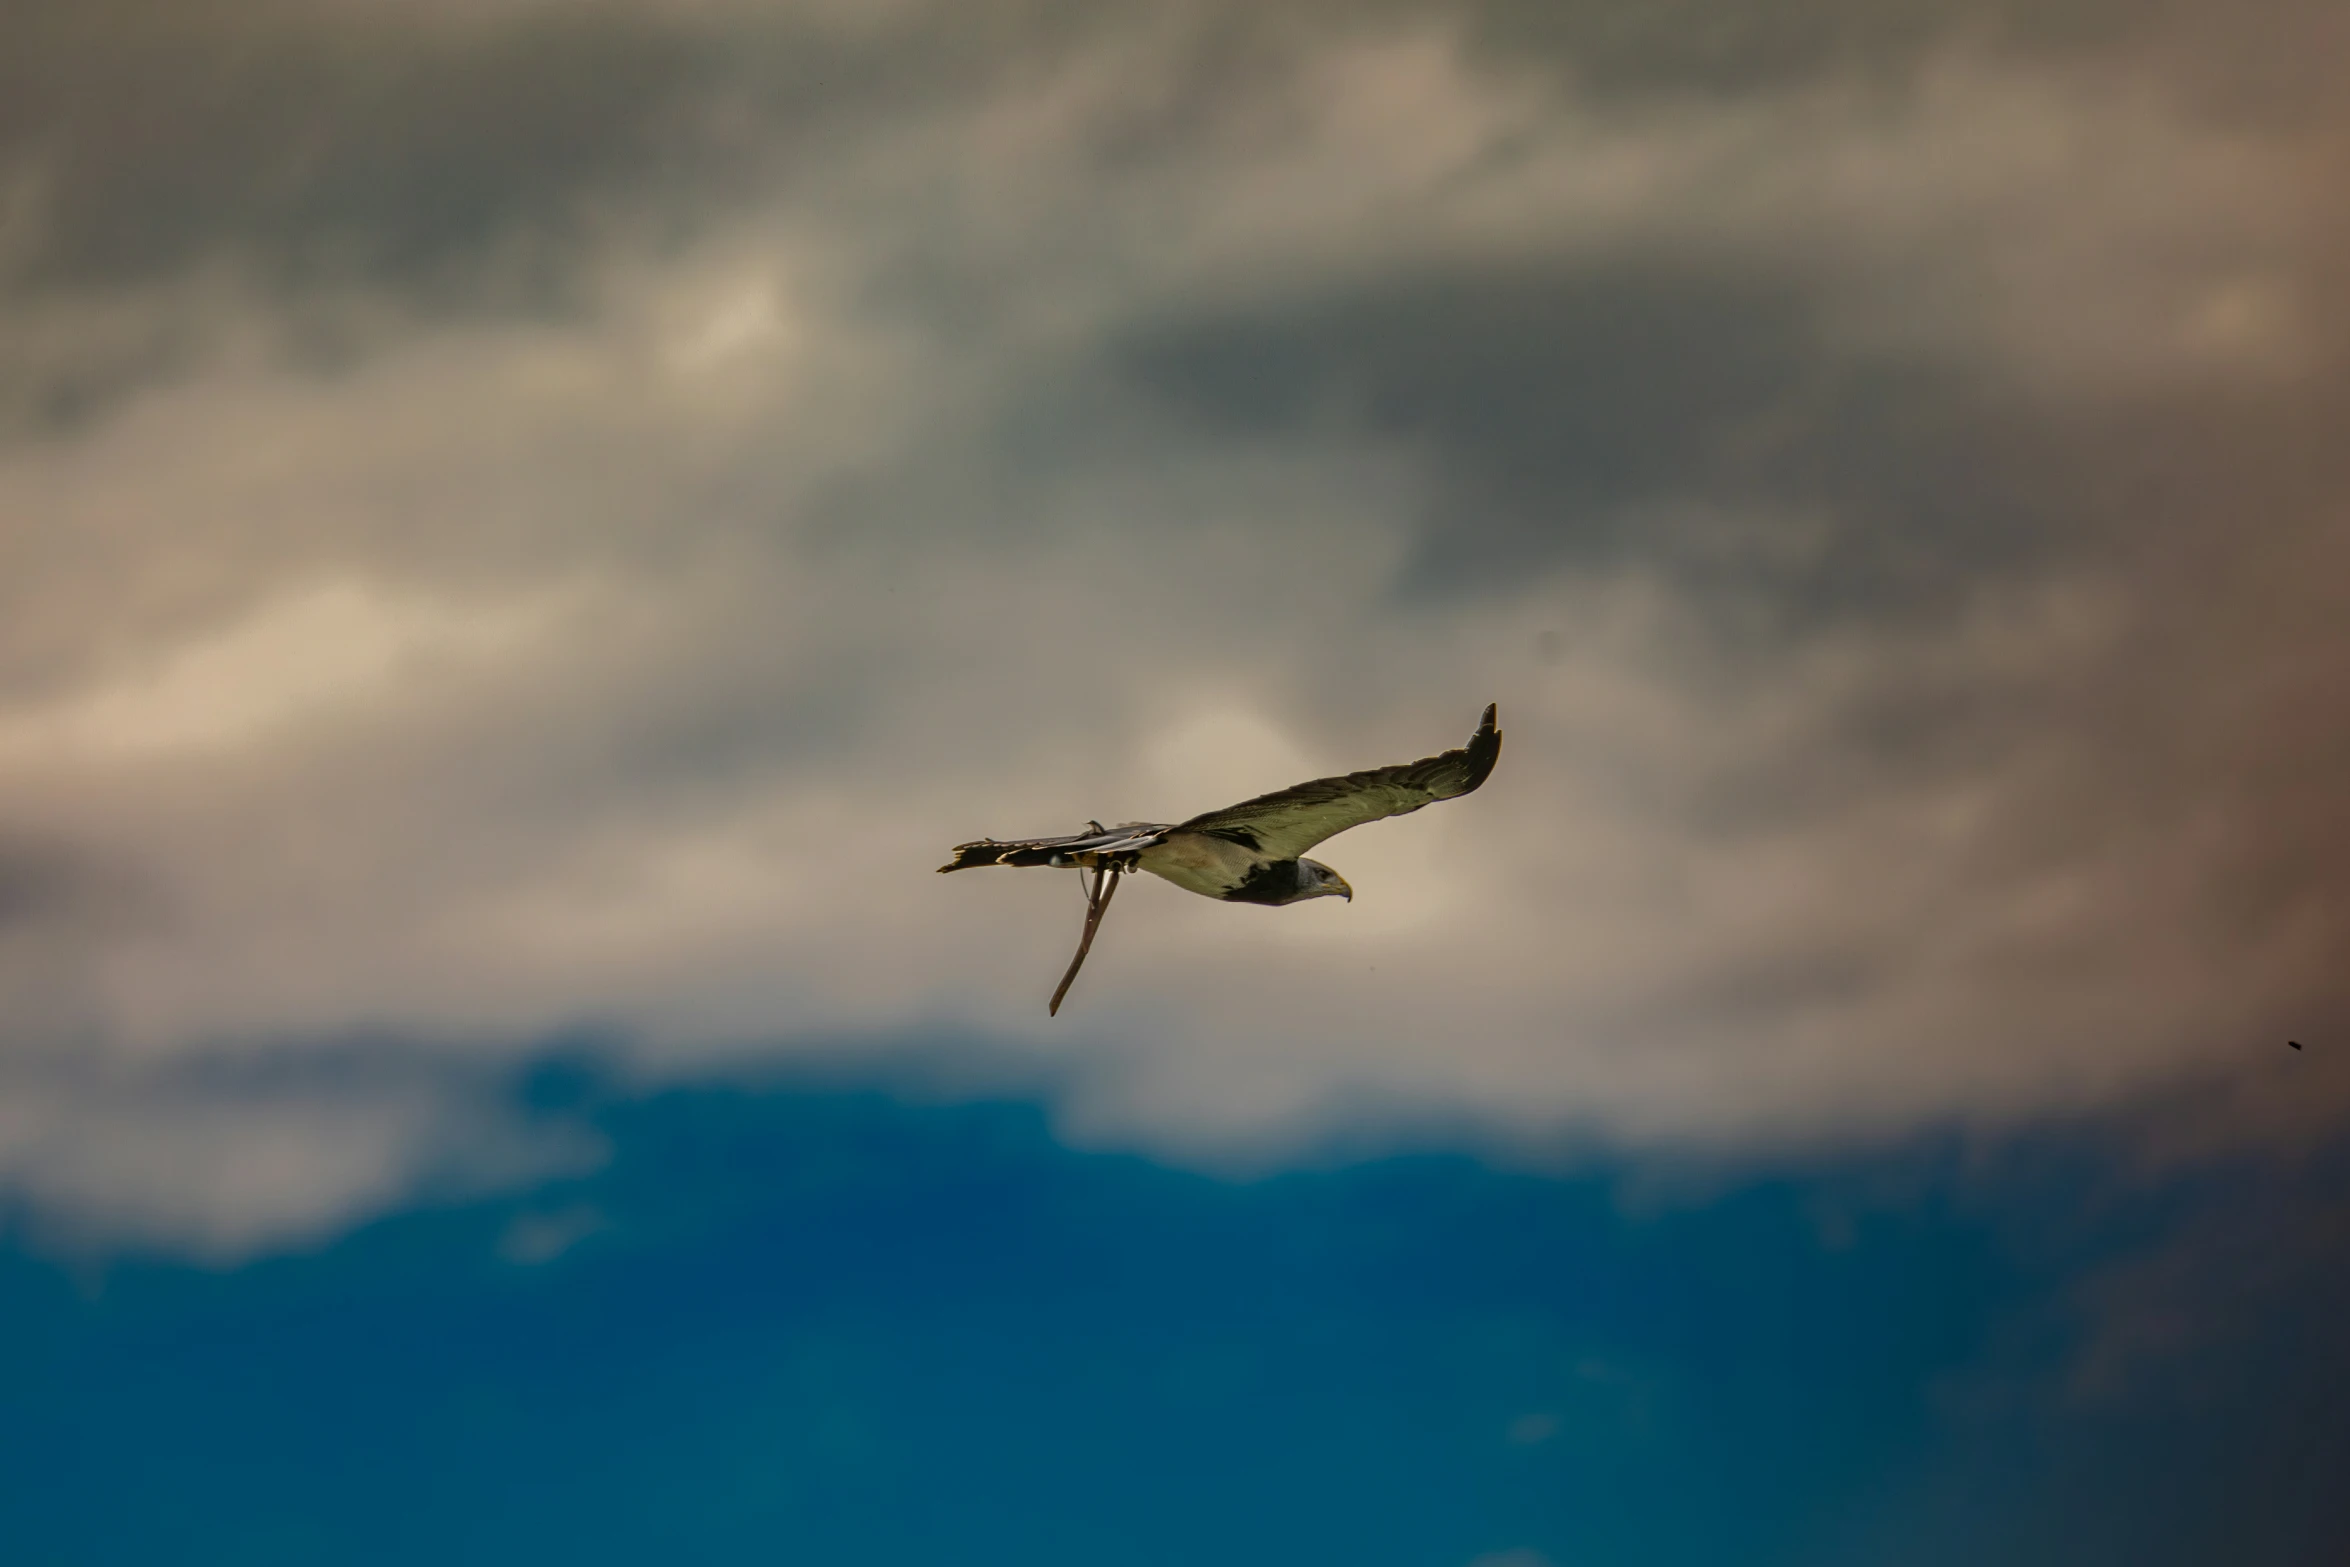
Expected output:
(1253, 852)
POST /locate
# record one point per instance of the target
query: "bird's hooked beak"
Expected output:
(1316, 880)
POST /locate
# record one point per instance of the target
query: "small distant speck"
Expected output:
(535, 1238)
(2295, 1043)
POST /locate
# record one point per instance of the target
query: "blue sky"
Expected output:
(528, 528)
(821, 1323)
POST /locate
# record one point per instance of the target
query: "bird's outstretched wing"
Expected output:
(1290, 821)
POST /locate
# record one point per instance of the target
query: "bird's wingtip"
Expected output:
(1483, 749)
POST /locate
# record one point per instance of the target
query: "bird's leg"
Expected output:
(1097, 900)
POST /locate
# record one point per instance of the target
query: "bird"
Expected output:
(1253, 852)
(2295, 1043)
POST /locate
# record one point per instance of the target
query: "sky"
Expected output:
(528, 527)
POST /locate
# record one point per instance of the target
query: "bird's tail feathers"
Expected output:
(1075, 849)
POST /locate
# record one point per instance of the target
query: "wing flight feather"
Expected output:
(1290, 821)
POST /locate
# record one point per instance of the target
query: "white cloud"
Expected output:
(219, 1169)
(329, 645)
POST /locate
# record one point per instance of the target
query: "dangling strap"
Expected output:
(1097, 901)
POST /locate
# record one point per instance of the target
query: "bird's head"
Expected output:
(1317, 880)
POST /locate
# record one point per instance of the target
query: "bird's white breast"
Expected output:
(1198, 862)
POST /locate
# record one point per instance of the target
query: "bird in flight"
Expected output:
(1253, 852)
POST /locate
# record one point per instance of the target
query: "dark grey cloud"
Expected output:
(142, 146)
(1640, 411)
(2260, 63)
(323, 140)
(402, 142)
(458, 157)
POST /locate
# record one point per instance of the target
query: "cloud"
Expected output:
(1895, 508)
(220, 1159)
